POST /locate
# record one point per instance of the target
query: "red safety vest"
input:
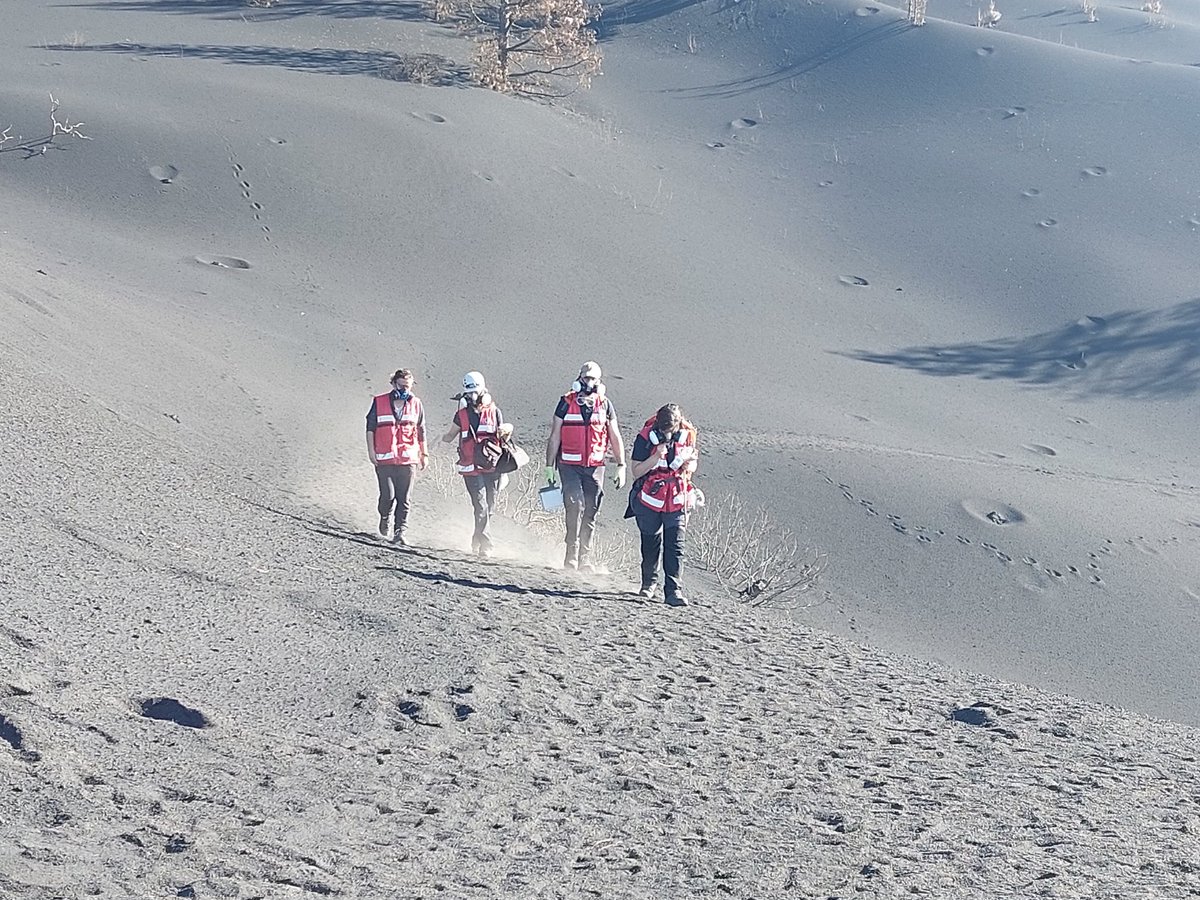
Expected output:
(397, 440)
(584, 439)
(489, 421)
(665, 489)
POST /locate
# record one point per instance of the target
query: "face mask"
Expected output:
(657, 437)
(401, 394)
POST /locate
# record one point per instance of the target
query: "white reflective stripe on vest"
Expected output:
(573, 418)
(651, 500)
(386, 420)
(572, 457)
(382, 456)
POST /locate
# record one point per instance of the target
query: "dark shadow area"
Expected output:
(1151, 354)
(167, 709)
(324, 61)
(509, 588)
(33, 147)
(11, 734)
(634, 12)
(285, 9)
(442, 556)
(799, 67)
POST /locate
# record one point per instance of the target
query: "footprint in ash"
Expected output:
(223, 262)
(164, 174)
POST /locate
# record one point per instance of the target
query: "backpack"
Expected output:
(487, 449)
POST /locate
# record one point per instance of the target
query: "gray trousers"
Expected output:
(482, 490)
(583, 489)
(395, 490)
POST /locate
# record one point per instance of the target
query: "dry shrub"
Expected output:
(442, 10)
(745, 550)
(419, 68)
(748, 553)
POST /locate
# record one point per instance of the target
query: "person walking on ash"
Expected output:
(395, 446)
(583, 434)
(477, 425)
(662, 496)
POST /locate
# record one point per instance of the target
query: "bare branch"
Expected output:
(531, 47)
(65, 126)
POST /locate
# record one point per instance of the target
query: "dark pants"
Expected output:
(395, 489)
(482, 490)
(583, 489)
(662, 533)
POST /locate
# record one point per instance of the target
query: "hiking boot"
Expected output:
(647, 591)
(586, 568)
(385, 525)
(677, 600)
(398, 539)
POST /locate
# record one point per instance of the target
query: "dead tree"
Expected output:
(539, 48)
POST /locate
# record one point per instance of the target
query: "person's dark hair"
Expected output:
(668, 419)
(402, 373)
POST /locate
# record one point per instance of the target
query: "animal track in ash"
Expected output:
(921, 532)
(1031, 193)
(164, 174)
(988, 511)
(1013, 111)
(863, 11)
(1095, 172)
(239, 174)
(431, 117)
(985, 51)
(743, 123)
(853, 280)
(1047, 223)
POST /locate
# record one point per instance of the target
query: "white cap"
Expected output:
(473, 382)
(590, 369)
